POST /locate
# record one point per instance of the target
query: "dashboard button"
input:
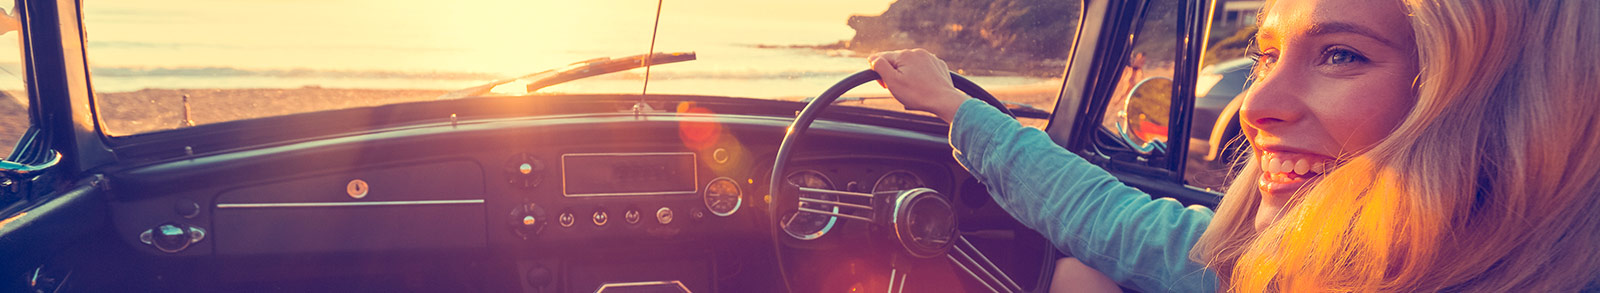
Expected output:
(632, 216)
(697, 214)
(566, 219)
(600, 217)
(664, 216)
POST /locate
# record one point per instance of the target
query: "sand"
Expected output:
(13, 121)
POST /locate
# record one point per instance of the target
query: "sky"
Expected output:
(479, 36)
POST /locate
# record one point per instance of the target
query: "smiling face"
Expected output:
(1333, 77)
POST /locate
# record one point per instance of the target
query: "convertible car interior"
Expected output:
(565, 191)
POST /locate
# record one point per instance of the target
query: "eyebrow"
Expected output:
(1327, 28)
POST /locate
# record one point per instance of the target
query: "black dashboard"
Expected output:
(566, 203)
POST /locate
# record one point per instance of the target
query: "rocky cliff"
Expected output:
(1027, 37)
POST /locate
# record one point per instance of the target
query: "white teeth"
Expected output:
(1319, 167)
(1288, 166)
(1272, 165)
(1302, 167)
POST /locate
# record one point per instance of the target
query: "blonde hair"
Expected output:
(1491, 182)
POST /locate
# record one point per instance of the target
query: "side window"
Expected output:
(1148, 63)
(1214, 138)
(13, 80)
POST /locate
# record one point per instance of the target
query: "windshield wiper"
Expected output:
(574, 71)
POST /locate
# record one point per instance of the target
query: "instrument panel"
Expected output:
(552, 212)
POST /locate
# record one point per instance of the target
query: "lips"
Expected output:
(1284, 172)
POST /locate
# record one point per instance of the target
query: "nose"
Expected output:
(1273, 101)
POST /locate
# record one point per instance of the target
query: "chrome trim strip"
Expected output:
(642, 284)
(695, 183)
(346, 204)
(835, 192)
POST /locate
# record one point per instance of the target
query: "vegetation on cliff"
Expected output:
(1026, 37)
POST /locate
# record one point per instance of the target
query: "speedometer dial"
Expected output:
(897, 180)
(723, 196)
(807, 226)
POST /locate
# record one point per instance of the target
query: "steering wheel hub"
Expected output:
(924, 223)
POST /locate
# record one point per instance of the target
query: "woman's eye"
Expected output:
(1342, 57)
(1263, 60)
(1259, 56)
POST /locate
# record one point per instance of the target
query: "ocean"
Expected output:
(208, 44)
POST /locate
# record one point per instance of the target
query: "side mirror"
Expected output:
(1143, 124)
(9, 167)
(16, 178)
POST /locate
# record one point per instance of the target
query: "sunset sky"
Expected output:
(478, 35)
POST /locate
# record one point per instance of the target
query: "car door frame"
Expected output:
(1092, 77)
(63, 204)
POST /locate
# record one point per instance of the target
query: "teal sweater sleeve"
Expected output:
(1139, 242)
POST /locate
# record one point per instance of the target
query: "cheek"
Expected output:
(1358, 113)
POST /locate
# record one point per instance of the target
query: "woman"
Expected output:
(1400, 145)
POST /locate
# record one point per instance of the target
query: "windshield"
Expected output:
(166, 64)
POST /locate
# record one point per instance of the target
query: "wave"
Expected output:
(224, 71)
(666, 72)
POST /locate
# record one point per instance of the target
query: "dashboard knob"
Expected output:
(524, 171)
(632, 216)
(664, 215)
(600, 217)
(528, 220)
(566, 219)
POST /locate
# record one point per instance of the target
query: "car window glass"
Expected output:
(1151, 57)
(160, 65)
(13, 80)
(1215, 142)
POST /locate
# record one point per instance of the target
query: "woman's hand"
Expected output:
(919, 80)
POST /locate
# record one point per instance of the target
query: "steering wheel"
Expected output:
(919, 223)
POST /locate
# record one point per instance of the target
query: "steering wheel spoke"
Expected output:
(921, 223)
(967, 257)
(829, 207)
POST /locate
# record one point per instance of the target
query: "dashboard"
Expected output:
(556, 204)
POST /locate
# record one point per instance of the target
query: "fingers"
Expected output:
(889, 60)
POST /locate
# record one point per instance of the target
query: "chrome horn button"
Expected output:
(924, 222)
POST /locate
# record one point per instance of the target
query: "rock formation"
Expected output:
(1028, 37)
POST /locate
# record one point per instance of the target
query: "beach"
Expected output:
(162, 109)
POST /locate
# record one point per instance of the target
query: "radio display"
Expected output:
(625, 174)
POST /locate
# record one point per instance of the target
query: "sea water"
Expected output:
(203, 44)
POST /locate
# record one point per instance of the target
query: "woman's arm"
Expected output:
(1137, 241)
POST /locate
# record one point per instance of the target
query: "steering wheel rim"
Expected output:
(803, 121)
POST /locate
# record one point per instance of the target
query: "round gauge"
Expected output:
(723, 196)
(808, 226)
(897, 180)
